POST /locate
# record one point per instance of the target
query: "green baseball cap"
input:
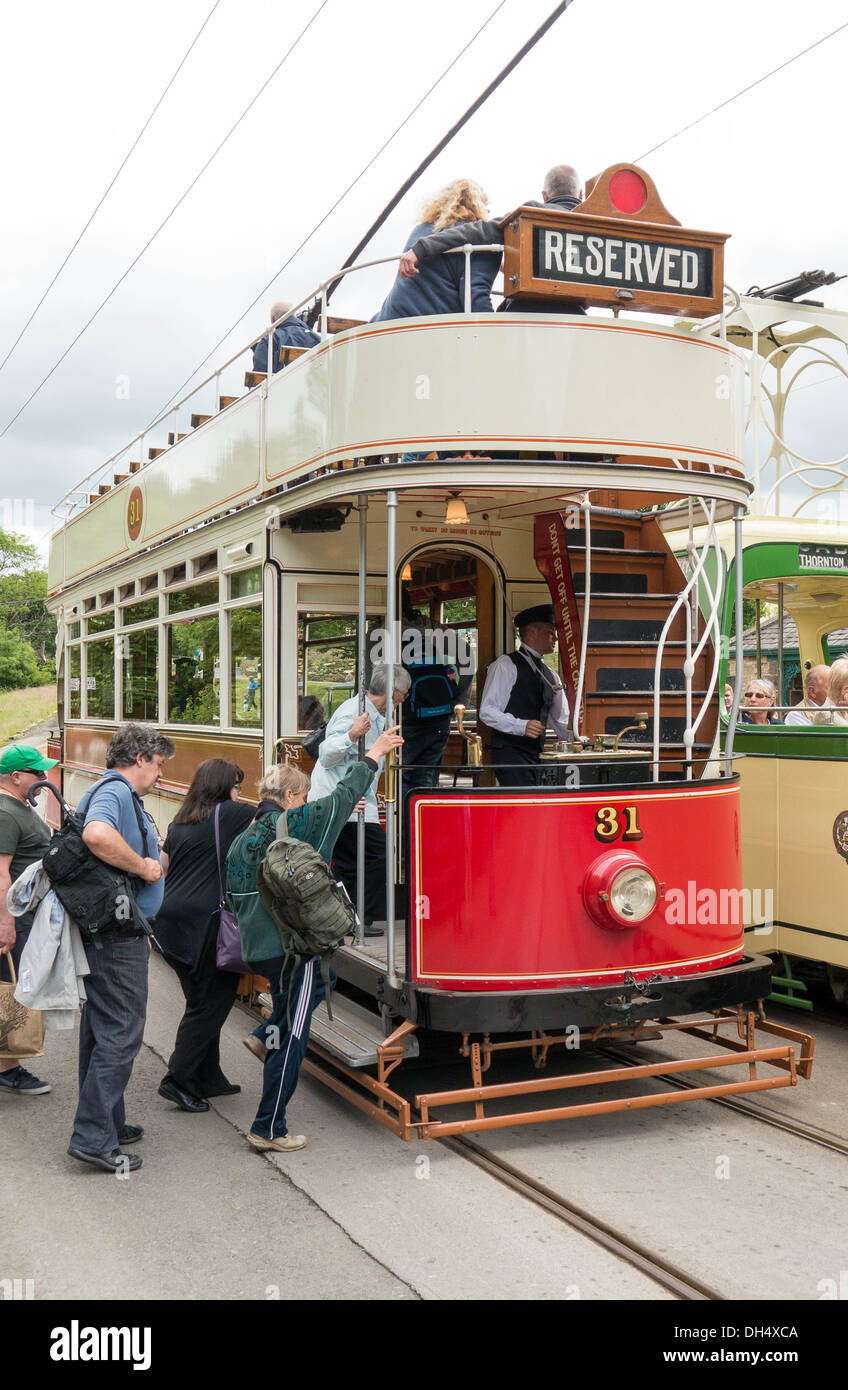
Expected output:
(22, 757)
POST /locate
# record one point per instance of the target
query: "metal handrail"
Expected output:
(90, 480)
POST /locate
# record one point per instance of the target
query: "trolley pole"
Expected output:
(360, 686)
(391, 566)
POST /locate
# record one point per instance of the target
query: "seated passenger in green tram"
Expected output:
(760, 696)
(815, 694)
(834, 710)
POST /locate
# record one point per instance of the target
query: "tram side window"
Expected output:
(246, 667)
(326, 662)
(194, 671)
(140, 664)
(74, 685)
(100, 679)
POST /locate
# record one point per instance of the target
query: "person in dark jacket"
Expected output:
(186, 928)
(292, 333)
(280, 1042)
(439, 286)
(562, 189)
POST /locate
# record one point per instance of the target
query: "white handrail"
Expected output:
(587, 534)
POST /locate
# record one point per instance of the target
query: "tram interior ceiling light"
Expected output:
(455, 513)
(317, 519)
(788, 290)
(406, 574)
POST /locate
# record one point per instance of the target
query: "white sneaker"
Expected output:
(284, 1143)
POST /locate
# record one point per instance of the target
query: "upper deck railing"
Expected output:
(78, 496)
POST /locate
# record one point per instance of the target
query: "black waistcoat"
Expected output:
(530, 698)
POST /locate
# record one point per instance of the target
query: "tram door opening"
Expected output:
(449, 595)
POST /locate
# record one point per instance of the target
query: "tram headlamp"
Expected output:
(633, 894)
(619, 890)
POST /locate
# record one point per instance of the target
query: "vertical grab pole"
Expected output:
(391, 567)
(779, 700)
(467, 301)
(361, 622)
(737, 685)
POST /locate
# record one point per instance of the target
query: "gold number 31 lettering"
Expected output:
(612, 822)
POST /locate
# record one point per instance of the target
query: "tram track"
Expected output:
(786, 1124)
(669, 1276)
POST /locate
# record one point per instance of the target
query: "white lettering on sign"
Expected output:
(553, 250)
(669, 275)
(632, 260)
(573, 243)
(653, 266)
(613, 247)
(689, 278)
(595, 260)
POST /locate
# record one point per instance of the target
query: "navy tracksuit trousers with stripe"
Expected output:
(286, 1045)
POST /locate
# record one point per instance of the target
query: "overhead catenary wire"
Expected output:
(112, 182)
(363, 171)
(750, 87)
(166, 219)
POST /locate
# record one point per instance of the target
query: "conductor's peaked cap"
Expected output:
(542, 613)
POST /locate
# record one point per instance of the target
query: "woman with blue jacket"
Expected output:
(439, 286)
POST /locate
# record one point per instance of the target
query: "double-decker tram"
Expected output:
(475, 466)
(793, 571)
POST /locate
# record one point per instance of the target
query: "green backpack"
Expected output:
(311, 911)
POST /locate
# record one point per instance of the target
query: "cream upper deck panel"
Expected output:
(482, 381)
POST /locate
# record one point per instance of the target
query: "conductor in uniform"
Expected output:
(521, 697)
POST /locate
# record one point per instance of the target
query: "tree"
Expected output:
(23, 591)
(18, 665)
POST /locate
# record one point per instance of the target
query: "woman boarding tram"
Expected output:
(290, 541)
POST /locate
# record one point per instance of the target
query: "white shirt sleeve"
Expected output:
(500, 679)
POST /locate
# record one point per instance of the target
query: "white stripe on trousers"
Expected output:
(301, 1014)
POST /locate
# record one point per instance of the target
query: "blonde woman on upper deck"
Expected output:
(439, 288)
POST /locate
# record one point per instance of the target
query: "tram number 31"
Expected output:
(614, 822)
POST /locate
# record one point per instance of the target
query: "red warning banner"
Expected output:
(550, 549)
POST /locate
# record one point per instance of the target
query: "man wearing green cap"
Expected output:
(24, 837)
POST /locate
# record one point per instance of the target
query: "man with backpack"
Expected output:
(279, 939)
(433, 692)
(119, 832)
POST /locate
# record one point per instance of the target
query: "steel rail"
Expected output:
(663, 1272)
(799, 1128)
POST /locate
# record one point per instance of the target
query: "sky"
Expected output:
(609, 82)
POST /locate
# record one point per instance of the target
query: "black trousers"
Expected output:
(515, 767)
(344, 863)
(195, 1063)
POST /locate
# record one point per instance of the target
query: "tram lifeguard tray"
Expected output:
(619, 248)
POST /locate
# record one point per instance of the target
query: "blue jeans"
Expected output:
(423, 742)
(286, 1045)
(111, 1034)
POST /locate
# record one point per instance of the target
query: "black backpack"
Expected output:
(96, 896)
(432, 694)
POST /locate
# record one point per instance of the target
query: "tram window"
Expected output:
(140, 612)
(140, 664)
(246, 582)
(194, 672)
(101, 622)
(835, 645)
(100, 679)
(246, 667)
(197, 596)
(73, 631)
(326, 651)
(74, 692)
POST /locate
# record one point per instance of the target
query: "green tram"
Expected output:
(794, 576)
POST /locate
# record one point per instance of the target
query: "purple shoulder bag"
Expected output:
(228, 949)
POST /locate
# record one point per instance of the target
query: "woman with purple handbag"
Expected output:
(192, 926)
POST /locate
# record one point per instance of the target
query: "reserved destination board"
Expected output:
(631, 263)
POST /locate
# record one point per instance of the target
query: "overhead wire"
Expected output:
(112, 183)
(363, 171)
(737, 95)
(165, 220)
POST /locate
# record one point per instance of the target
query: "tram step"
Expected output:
(352, 1034)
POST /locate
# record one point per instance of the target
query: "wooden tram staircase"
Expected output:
(635, 580)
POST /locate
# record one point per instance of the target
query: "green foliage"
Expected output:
(23, 613)
(18, 664)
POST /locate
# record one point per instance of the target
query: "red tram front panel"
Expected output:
(507, 888)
